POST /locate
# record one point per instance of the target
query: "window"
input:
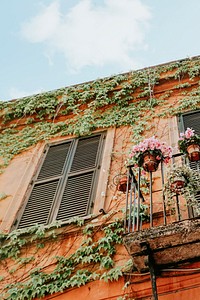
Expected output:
(192, 120)
(64, 185)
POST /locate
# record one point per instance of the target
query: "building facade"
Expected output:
(69, 226)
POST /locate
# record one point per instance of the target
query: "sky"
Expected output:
(50, 44)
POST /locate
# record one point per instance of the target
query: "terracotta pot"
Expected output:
(193, 152)
(123, 184)
(150, 163)
(178, 185)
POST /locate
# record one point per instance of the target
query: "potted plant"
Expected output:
(122, 184)
(182, 180)
(149, 153)
(189, 143)
(121, 181)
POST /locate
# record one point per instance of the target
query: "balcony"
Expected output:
(170, 236)
(135, 199)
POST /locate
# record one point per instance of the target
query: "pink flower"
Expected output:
(158, 157)
(143, 173)
(151, 144)
(189, 133)
(166, 160)
(168, 151)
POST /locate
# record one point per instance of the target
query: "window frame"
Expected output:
(181, 116)
(192, 165)
(64, 177)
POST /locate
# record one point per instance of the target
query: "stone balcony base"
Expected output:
(169, 245)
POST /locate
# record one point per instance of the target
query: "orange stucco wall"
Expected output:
(14, 182)
(174, 286)
(97, 290)
(170, 285)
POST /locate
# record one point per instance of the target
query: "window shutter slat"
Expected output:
(86, 154)
(39, 204)
(193, 121)
(76, 197)
(54, 161)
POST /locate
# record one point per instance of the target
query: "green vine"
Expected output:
(115, 101)
(78, 110)
(92, 260)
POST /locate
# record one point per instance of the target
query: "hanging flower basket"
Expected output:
(120, 180)
(149, 153)
(193, 152)
(189, 143)
(178, 184)
(150, 163)
(182, 180)
(122, 185)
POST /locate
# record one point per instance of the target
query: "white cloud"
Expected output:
(43, 26)
(91, 35)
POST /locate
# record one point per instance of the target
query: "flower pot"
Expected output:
(177, 185)
(193, 152)
(122, 185)
(150, 163)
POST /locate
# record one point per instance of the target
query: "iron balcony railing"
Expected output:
(159, 213)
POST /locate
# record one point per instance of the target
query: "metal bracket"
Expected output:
(152, 268)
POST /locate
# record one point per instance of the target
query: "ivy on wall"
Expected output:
(92, 260)
(79, 110)
(115, 101)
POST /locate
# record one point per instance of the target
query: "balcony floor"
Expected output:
(169, 245)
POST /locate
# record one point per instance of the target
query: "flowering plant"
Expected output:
(188, 138)
(160, 150)
(190, 187)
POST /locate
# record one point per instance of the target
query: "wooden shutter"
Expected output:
(39, 204)
(45, 186)
(192, 120)
(80, 183)
(65, 183)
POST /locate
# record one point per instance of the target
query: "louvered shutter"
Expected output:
(80, 183)
(45, 188)
(192, 120)
(66, 182)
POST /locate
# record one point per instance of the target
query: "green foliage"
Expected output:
(91, 261)
(112, 275)
(12, 243)
(191, 179)
(102, 103)
(143, 212)
(112, 102)
(185, 142)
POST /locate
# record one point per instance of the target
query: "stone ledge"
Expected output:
(169, 245)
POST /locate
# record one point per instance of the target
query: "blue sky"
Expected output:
(49, 44)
